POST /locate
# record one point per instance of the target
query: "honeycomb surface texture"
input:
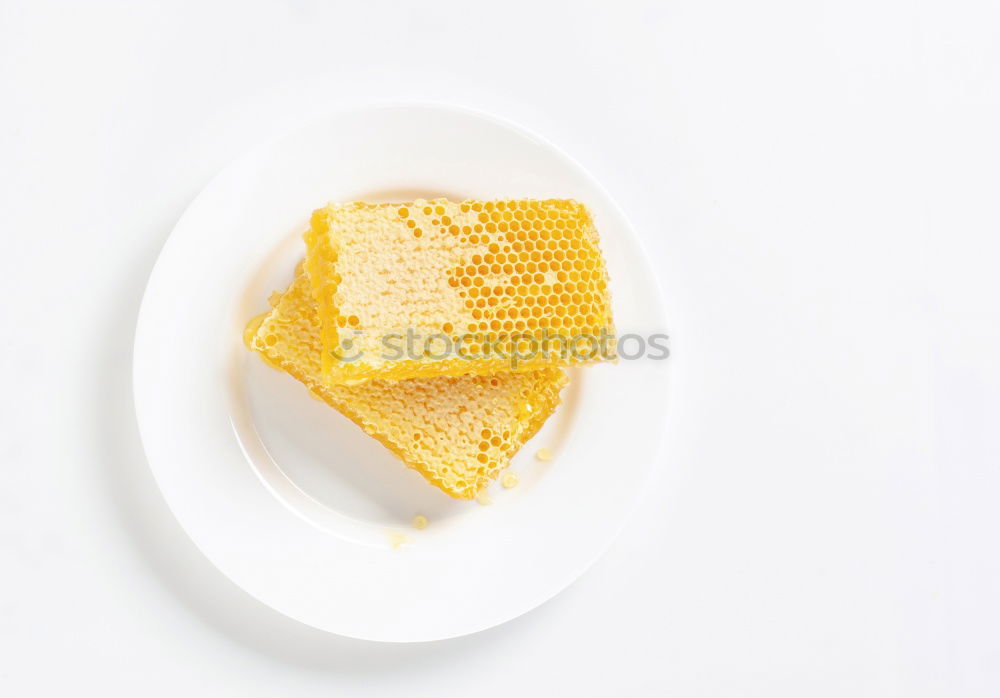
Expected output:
(487, 279)
(459, 432)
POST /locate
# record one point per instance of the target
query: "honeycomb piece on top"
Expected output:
(482, 287)
(458, 432)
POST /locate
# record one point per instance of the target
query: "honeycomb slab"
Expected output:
(459, 432)
(442, 288)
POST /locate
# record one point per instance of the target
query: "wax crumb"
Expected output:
(509, 480)
(544, 454)
(397, 540)
(420, 522)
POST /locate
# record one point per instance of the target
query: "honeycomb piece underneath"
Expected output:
(458, 432)
(442, 288)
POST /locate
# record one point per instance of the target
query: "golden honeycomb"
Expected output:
(484, 287)
(459, 432)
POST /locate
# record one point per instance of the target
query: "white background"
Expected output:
(817, 182)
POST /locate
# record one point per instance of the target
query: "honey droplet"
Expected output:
(509, 480)
(544, 454)
(420, 522)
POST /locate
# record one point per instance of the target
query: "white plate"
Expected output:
(293, 502)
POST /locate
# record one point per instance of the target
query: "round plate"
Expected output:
(293, 502)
